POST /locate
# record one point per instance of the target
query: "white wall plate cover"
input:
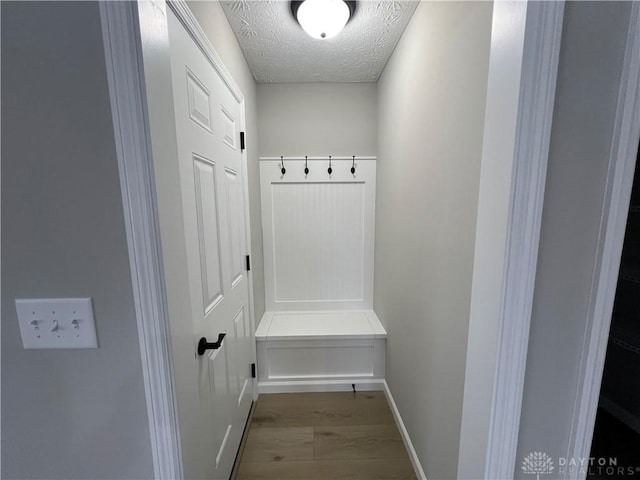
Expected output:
(56, 323)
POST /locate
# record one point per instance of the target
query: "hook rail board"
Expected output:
(318, 232)
(325, 158)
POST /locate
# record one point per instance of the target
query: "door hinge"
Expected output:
(248, 259)
(253, 370)
(241, 140)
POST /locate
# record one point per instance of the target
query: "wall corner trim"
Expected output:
(120, 30)
(413, 456)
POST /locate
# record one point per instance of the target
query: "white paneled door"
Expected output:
(207, 126)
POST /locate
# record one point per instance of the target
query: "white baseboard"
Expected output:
(320, 386)
(413, 456)
(629, 419)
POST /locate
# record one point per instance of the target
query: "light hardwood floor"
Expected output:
(313, 436)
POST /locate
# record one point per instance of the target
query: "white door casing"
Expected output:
(210, 167)
(525, 46)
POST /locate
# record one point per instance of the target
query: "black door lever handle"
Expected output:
(203, 345)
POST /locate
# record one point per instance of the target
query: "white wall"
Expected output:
(317, 119)
(65, 413)
(431, 100)
(592, 49)
(213, 21)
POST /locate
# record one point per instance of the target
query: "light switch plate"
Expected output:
(56, 322)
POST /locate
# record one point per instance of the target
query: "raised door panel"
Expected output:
(208, 233)
(220, 385)
(199, 101)
(229, 129)
(236, 239)
(243, 353)
(227, 122)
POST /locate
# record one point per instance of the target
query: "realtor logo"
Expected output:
(537, 463)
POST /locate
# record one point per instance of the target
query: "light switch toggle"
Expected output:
(55, 326)
(36, 327)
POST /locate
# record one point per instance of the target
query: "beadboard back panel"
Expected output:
(318, 233)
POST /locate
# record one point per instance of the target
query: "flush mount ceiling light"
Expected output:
(322, 19)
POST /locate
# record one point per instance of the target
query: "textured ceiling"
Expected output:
(278, 50)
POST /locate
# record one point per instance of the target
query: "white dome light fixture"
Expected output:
(322, 19)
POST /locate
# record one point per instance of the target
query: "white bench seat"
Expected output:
(320, 351)
(320, 325)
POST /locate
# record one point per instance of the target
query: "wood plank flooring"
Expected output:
(317, 436)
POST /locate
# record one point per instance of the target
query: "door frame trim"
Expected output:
(521, 91)
(122, 33)
(123, 56)
(613, 220)
(541, 56)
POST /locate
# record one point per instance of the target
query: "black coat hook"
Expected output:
(306, 168)
(283, 170)
(330, 170)
(353, 166)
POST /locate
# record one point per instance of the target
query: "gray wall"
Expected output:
(65, 413)
(431, 111)
(591, 57)
(317, 119)
(213, 21)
